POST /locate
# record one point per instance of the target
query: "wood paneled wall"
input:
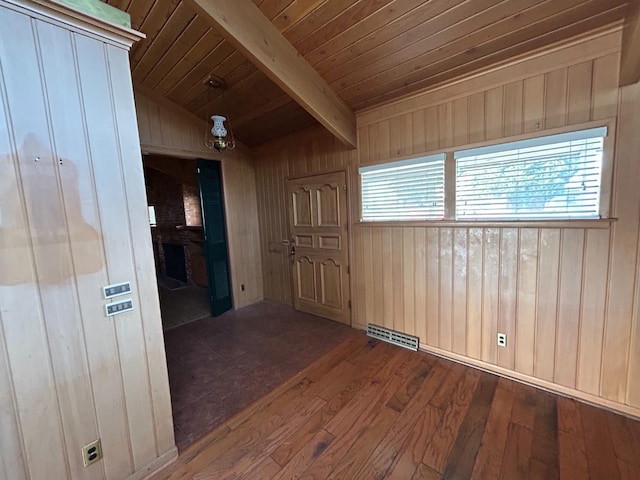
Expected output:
(565, 297)
(305, 153)
(166, 130)
(72, 220)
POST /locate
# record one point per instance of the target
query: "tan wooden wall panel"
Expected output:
(74, 220)
(165, 130)
(564, 296)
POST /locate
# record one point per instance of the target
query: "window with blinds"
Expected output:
(552, 177)
(406, 190)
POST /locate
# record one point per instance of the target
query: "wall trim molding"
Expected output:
(159, 464)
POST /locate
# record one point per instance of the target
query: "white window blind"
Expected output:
(406, 190)
(552, 177)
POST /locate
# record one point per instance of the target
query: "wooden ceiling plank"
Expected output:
(630, 60)
(254, 35)
(272, 8)
(508, 55)
(316, 20)
(151, 26)
(234, 70)
(120, 5)
(139, 9)
(294, 13)
(451, 27)
(262, 110)
(209, 42)
(179, 21)
(253, 87)
(417, 28)
(351, 33)
(544, 16)
(350, 18)
(177, 51)
(194, 83)
(263, 129)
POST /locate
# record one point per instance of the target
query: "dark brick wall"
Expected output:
(164, 192)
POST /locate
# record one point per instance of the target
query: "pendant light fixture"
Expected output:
(217, 137)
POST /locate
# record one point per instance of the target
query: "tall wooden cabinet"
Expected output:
(73, 219)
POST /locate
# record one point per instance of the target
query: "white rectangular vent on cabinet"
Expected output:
(391, 336)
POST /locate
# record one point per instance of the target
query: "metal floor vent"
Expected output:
(391, 336)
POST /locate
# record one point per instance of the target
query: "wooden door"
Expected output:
(319, 245)
(215, 236)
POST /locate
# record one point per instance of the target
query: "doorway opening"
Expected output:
(182, 253)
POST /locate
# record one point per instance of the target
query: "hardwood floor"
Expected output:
(369, 410)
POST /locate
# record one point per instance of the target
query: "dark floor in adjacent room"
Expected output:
(183, 305)
(217, 366)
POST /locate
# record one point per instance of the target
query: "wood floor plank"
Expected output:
(358, 454)
(467, 441)
(569, 416)
(437, 452)
(545, 438)
(258, 444)
(394, 414)
(350, 425)
(629, 471)
(494, 440)
(423, 472)
(625, 443)
(402, 464)
(389, 448)
(309, 452)
(601, 455)
(524, 406)
(572, 456)
(517, 456)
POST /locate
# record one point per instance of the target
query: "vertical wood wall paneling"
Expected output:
(569, 299)
(527, 296)
(623, 257)
(24, 326)
(564, 297)
(63, 315)
(135, 191)
(170, 132)
(111, 195)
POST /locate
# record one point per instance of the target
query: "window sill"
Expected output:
(591, 224)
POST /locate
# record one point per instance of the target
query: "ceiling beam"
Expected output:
(630, 61)
(243, 24)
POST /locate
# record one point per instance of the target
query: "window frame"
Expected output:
(606, 183)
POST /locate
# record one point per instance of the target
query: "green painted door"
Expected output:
(215, 235)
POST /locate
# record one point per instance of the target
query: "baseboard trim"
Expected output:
(154, 468)
(627, 410)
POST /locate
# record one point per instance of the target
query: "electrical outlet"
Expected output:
(242, 287)
(92, 452)
(502, 339)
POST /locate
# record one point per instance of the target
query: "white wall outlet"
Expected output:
(92, 452)
(502, 339)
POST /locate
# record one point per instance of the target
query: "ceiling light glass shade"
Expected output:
(218, 129)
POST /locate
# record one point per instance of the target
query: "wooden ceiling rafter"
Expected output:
(253, 34)
(630, 60)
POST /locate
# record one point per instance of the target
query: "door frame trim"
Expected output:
(347, 181)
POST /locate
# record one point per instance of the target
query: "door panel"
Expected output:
(320, 257)
(215, 237)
